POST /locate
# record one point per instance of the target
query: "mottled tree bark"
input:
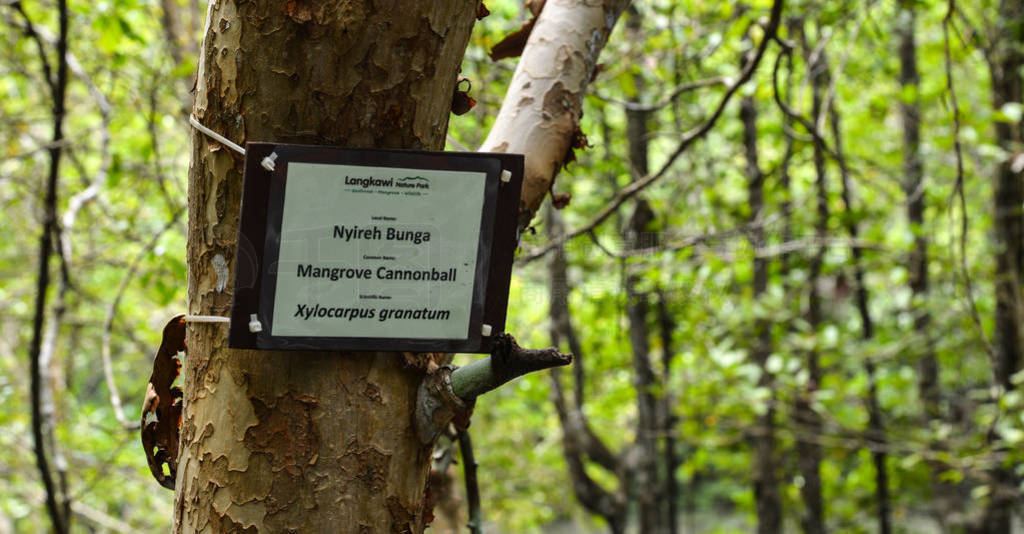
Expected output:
(541, 111)
(767, 497)
(311, 442)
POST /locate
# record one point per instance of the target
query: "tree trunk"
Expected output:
(578, 439)
(542, 108)
(56, 498)
(1005, 63)
(808, 420)
(540, 117)
(876, 425)
(928, 385)
(767, 497)
(913, 187)
(1008, 194)
(310, 442)
(646, 484)
(666, 327)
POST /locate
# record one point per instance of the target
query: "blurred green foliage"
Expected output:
(128, 260)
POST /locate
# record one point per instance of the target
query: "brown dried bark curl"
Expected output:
(161, 410)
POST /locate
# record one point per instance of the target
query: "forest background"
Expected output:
(794, 299)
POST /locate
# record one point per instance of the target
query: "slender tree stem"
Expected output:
(476, 515)
(42, 420)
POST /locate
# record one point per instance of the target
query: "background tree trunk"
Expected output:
(310, 442)
(1005, 63)
(808, 420)
(579, 442)
(666, 327)
(645, 477)
(1008, 194)
(767, 497)
(928, 384)
(913, 186)
(40, 348)
(646, 485)
(876, 425)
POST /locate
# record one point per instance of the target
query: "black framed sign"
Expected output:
(343, 249)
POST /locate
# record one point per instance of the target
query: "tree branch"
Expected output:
(958, 187)
(671, 97)
(507, 361)
(540, 113)
(447, 393)
(610, 506)
(30, 32)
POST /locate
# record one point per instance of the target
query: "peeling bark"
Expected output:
(540, 114)
(161, 409)
(311, 442)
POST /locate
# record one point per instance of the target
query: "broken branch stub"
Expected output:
(461, 101)
(161, 409)
(507, 361)
(449, 393)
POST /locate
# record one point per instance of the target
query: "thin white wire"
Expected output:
(206, 319)
(224, 140)
(457, 144)
(234, 146)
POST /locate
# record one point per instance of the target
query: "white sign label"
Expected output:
(377, 252)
